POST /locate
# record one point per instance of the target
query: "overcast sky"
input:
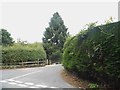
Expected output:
(28, 21)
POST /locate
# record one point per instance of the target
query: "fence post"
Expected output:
(22, 64)
(38, 61)
(47, 62)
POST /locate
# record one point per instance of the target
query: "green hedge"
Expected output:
(22, 53)
(95, 54)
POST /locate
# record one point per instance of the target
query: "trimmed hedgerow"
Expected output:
(22, 53)
(95, 54)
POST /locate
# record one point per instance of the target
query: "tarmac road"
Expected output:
(38, 77)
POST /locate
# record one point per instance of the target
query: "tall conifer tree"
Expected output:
(54, 38)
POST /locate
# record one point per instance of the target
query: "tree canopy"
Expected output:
(54, 37)
(6, 37)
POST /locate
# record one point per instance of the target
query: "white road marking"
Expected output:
(18, 81)
(3, 81)
(43, 86)
(22, 85)
(53, 87)
(26, 74)
(33, 87)
(11, 80)
(29, 83)
(25, 84)
(38, 85)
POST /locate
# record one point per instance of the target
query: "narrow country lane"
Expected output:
(38, 77)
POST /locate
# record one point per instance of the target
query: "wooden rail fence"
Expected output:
(24, 64)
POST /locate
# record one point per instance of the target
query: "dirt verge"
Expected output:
(73, 80)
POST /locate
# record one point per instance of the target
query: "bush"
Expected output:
(22, 53)
(93, 85)
(94, 54)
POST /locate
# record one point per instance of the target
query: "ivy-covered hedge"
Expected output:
(95, 54)
(22, 53)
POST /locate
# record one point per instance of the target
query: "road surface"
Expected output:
(38, 77)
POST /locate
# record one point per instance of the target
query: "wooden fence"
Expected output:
(25, 64)
(33, 63)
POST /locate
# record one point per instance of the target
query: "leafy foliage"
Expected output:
(93, 85)
(95, 54)
(21, 53)
(54, 37)
(6, 37)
